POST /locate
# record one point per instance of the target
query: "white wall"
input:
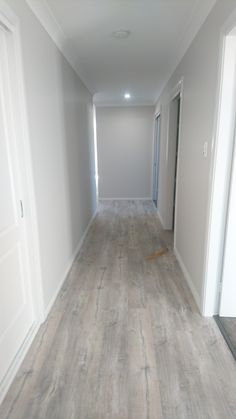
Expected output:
(199, 68)
(125, 141)
(61, 135)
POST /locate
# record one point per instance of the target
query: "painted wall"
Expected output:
(60, 117)
(199, 69)
(125, 142)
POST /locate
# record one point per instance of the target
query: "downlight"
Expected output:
(121, 34)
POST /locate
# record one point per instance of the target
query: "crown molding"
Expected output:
(199, 15)
(44, 14)
(47, 19)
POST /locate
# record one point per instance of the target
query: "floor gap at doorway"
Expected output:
(227, 326)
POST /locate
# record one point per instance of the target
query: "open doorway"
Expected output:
(220, 284)
(227, 297)
(172, 156)
(156, 156)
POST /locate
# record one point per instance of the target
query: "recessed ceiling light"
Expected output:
(121, 34)
(127, 95)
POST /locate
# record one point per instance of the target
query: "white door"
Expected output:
(228, 292)
(16, 313)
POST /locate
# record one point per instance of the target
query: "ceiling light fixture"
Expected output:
(121, 34)
(127, 95)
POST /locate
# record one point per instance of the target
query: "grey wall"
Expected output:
(61, 136)
(125, 141)
(199, 68)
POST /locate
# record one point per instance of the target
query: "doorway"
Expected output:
(220, 286)
(156, 158)
(226, 319)
(177, 105)
(172, 157)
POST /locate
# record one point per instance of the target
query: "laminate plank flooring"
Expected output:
(125, 339)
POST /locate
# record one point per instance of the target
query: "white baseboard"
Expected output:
(69, 265)
(17, 361)
(189, 281)
(125, 199)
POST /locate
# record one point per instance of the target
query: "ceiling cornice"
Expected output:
(47, 19)
(200, 14)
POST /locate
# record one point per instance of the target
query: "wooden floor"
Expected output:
(125, 339)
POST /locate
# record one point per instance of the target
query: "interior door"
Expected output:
(228, 286)
(16, 312)
(156, 153)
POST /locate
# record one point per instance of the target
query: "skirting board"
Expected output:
(17, 361)
(189, 280)
(73, 257)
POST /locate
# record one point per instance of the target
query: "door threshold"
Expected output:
(225, 336)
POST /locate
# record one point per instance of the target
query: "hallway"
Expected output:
(124, 339)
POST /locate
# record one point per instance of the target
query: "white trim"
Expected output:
(158, 112)
(217, 205)
(17, 361)
(69, 266)
(125, 199)
(161, 219)
(200, 14)
(188, 280)
(180, 88)
(45, 16)
(177, 90)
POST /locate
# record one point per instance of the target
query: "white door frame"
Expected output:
(178, 90)
(157, 115)
(219, 180)
(19, 126)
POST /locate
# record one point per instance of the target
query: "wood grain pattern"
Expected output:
(124, 339)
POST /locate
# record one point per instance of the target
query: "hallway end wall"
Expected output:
(125, 143)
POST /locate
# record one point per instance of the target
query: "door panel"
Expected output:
(15, 297)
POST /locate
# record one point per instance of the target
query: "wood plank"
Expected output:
(125, 339)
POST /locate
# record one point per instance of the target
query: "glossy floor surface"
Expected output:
(124, 339)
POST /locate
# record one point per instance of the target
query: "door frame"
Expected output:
(220, 173)
(178, 90)
(19, 124)
(157, 115)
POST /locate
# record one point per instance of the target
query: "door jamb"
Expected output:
(157, 115)
(214, 243)
(177, 90)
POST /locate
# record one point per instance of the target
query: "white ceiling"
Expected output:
(161, 31)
